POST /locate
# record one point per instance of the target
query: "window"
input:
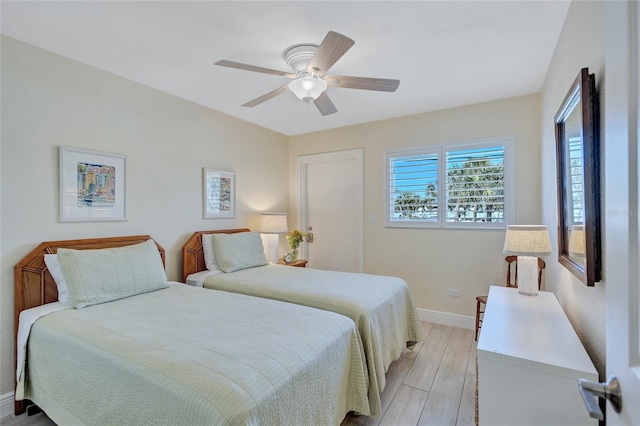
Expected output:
(453, 185)
(576, 192)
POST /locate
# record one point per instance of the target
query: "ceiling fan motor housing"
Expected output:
(298, 56)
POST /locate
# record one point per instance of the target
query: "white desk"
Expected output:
(529, 362)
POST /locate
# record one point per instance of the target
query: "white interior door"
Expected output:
(331, 203)
(622, 236)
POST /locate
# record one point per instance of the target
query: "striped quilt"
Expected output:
(381, 307)
(190, 356)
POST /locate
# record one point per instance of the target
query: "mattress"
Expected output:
(381, 307)
(186, 355)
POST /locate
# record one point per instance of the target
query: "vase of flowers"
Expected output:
(295, 237)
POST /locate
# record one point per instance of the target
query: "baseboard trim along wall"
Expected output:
(446, 318)
(6, 405)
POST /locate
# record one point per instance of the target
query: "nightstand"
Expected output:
(300, 263)
(529, 347)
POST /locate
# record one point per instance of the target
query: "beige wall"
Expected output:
(433, 260)
(581, 44)
(49, 101)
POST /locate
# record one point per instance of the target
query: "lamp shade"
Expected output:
(576, 241)
(527, 240)
(273, 223)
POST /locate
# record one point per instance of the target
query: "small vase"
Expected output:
(294, 254)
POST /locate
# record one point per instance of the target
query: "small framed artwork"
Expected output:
(92, 185)
(219, 194)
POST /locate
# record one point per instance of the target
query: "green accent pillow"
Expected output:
(99, 276)
(238, 251)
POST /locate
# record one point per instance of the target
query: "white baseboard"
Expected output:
(455, 320)
(6, 404)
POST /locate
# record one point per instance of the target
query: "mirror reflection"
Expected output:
(574, 176)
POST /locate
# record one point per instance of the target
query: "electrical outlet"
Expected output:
(372, 217)
(453, 292)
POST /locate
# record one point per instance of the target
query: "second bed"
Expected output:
(381, 306)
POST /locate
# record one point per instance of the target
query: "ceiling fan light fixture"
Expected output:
(307, 87)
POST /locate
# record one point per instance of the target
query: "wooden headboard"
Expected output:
(193, 255)
(33, 285)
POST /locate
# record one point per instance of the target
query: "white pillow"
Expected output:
(238, 251)
(51, 260)
(209, 253)
(99, 276)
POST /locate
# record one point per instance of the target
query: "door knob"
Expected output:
(310, 235)
(591, 391)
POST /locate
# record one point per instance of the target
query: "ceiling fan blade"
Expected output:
(246, 67)
(267, 96)
(324, 104)
(330, 50)
(366, 83)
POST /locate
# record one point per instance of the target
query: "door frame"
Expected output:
(302, 163)
(622, 201)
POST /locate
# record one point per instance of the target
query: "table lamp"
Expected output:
(271, 225)
(528, 242)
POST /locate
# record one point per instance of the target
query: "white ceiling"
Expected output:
(445, 53)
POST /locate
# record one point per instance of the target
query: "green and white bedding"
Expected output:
(189, 356)
(381, 307)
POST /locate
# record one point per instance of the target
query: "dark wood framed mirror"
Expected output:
(578, 165)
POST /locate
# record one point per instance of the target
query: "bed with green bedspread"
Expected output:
(381, 307)
(190, 356)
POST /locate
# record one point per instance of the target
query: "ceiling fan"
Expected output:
(309, 80)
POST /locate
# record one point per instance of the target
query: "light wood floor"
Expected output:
(432, 385)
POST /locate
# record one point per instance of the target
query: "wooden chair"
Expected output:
(481, 301)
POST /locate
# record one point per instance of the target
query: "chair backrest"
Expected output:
(513, 260)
